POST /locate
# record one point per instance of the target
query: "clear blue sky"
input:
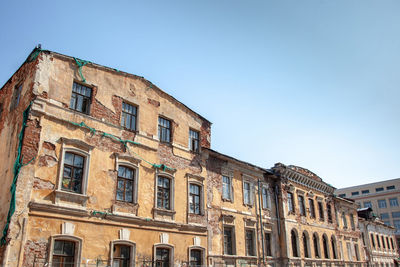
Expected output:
(309, 83)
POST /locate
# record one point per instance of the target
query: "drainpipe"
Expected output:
(261, 224)
(277, 209)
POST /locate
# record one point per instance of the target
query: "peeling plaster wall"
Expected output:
(11, 117)
(49, 125)
(236, 214)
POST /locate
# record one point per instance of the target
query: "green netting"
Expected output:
(35, 53)
(80, 64)
(122, 141)
(18, 164)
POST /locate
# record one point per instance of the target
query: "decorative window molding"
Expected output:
(132, 163)
(77, 249)
(79, 148)
(132, 254)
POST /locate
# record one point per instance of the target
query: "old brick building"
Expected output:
(106, 169)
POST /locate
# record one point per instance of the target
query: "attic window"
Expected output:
(16, 96)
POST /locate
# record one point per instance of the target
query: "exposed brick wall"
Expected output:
(30, 145)
(205, 134)
(35, 251)
(167, 157)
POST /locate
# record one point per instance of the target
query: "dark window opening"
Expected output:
(125, 184)
(164, 130)
(162, 257)
(73, 172)
(295, 252)
(268, 244)
(81, 98)
(320, 211)
(128, 116)
(305, 246)
(312, 207)
(194, 141)
(121, 256)
(290, 202)
(195, 258)
(163, 193)
(315, 242)
(228, 240)
(64, 253)
(326, 248)
(250, 251)
(301, 205)
(194, 199)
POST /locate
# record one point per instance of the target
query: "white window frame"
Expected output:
(78, 246)
(132, 246)
(230, 189)
(250, 201)
(190, 182)
(268, 197)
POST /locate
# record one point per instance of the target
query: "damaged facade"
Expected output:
(106, 169)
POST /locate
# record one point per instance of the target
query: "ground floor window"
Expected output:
(63, 253)
(195, 258)
(121, 256)
(162, 257)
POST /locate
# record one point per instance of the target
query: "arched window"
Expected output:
(326, 246)
(123, 253)
(305, 245)
(316, 245)
(65, 250)
(333, 244)
(295, 252)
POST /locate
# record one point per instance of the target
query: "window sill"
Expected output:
(227, 200)
(65, 196)
(164, 214)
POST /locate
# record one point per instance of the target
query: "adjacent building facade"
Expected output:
(383, 197)
(103, 168)
(378, 239)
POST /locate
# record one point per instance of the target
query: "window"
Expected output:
(396, 224)
(326, 247)
(80, 98)
(295, 252)
(355, 193)
(125, 184)
(390, 187)
(301, 205)
(349, 251)
(396, 214)
(312, 208)
(387, 243)
(379, 189)
(367, 204)
(329, 212)
(353, 226)
(128, 116)
(194, 199)
(163, 193)
(121, 256)
(342, 195)
(384, 216)
(316, 246)
(162, 257)
(333, 244)
(320, 211)
(372, 240)
(247, 196)
(195, 258)
(378, 241)
(250, 251)
(305, 246)
(290, 202)
(226, 188)
(382, 203)
(228, 240)
(344, 220)
(365, 191)
(265, 198)
(268, 244)
(63, 253)
(164, 130)
(357, 252)
(383, 242)
(393, 202)
(16, 97)
(73, 172)
(392, 243)
(194, 141)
